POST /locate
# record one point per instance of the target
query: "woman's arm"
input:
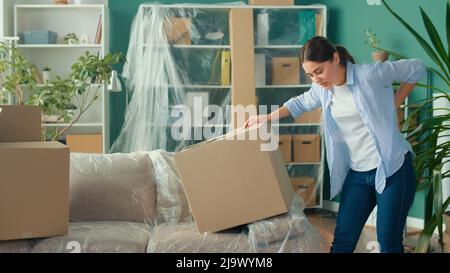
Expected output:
(402, 93)
(278, 114)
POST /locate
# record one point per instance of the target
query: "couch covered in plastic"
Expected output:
(135, 203)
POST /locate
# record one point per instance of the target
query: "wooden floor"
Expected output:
(325, 223)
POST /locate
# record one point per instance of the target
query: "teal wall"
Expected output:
(347, 20)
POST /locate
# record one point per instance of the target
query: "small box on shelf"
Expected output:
(178, 30)
(285, 70)
(90, 143)
(307, 148)
(306, 187)
(285, 146)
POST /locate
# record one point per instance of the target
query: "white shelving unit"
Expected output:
(265, 89)
(64, 19)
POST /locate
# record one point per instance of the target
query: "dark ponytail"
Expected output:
(320, 49)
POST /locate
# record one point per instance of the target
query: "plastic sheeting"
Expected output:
(286, 233)
(112, 187)
(171, 203)
(164, 70)
(97, 237)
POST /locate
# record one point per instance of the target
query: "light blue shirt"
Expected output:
(371, 87)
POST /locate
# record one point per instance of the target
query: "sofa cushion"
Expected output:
(105, 187)
(16, 246)
(184, 237)
(98, 237)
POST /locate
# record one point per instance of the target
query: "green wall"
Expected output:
(346, 22)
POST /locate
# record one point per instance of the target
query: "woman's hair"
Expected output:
(320, 49)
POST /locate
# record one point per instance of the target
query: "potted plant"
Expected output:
(379, 55)
(71, 38)
(46, 74)
(58, 98)
(431, 148)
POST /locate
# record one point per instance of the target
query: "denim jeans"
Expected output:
(359, 197)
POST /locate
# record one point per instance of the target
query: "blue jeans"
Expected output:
(359, 197)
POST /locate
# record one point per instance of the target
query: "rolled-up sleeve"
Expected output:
(406, 70)
(305, 102)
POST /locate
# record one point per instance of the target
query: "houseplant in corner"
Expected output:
(433, 151)
(59, 97)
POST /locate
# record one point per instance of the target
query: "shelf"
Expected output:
(191, 46)
(99, 46)
(59, 6)
(284, 86)
(301, 164)
(296, 124)
(226, 7)
(193, 86)
(277, 46)
(74, 125)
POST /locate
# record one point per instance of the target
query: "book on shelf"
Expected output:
(98, 34)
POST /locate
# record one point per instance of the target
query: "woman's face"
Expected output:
(325, 74)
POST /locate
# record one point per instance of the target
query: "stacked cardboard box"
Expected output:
(306, 187)
(34, 184)
(307, 148)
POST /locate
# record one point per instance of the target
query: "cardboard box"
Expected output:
(85, 143)
(34, 190)
(271, 2)
(285, 70)
(307, 148)
(306, 187)
(285, 146)
(178, 30)
(243, 61)
(20, 123)
(310, 117)
(232, 182)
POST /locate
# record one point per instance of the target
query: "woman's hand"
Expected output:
(255, 120)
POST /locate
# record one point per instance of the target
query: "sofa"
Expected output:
(135, 203)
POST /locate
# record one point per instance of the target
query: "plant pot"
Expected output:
(380, 56)
(46, 76)
(447, 221)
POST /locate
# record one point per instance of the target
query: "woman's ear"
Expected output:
(336, 58)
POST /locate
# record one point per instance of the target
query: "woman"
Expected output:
(369, 159)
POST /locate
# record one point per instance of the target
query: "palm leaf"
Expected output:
(426, 47)
(434, 37)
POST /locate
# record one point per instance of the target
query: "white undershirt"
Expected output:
(363, 153)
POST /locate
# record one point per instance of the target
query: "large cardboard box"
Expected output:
(285, 70)
(271, 2)
(232, 182)
(85, 143)
(314, 116)
(34, 190)
(243, 61)
(178, 30)
(306, 187)
(307, 148)
(20, 123)
(285, 146)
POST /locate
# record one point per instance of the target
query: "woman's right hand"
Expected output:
(255, 120)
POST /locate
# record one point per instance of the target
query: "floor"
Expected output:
(325, 222)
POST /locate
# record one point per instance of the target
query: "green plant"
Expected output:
(431, 153)
(371, 38)
(76, 91)
(70, 37)
(15, 74)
